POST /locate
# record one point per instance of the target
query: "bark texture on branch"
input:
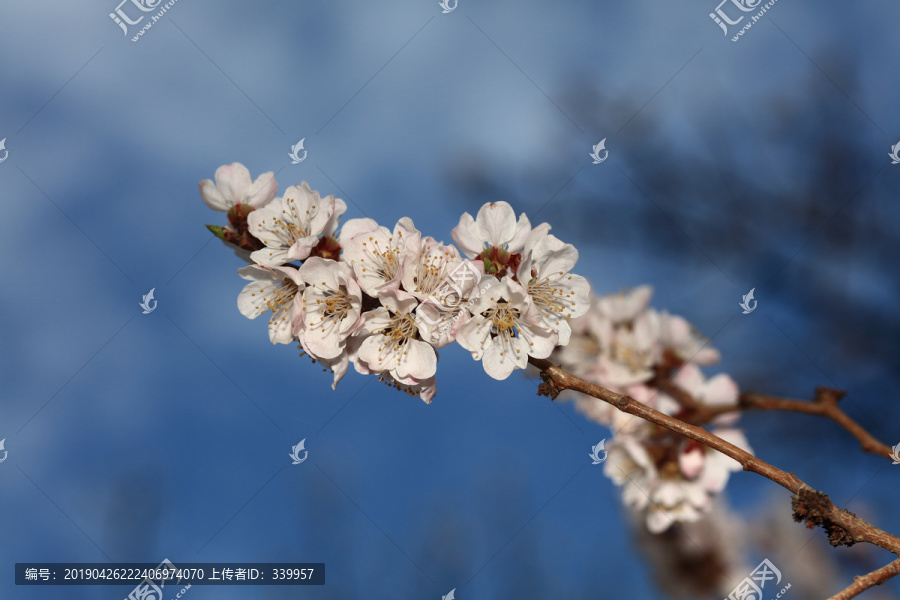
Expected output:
(811, 506)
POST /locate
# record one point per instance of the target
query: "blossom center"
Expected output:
(551, 298)
(282, 294)
(430, 271)
(291, 228)
(625, 352)
(334, 304)
(504, 321)
(385, 261)
(400, 329)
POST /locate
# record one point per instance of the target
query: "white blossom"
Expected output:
(377, 254)
(393, 345)
(234, 185)
(447, 285)
(291, 226)
(505, 330)
(495, 226)
(427, 267)
(332, 303)
(556, 292)
(277, 290)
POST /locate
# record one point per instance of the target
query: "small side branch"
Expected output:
(823, 404)
(810, 506)
(863, 582)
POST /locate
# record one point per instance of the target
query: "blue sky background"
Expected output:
(134, 437)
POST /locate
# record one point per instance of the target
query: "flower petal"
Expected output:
(418, 361)
(355, 227)
(261, 191)
(233, 181)
(721, 390)
(465, 234)
(500, 361)
(211, 195)
(496, 223)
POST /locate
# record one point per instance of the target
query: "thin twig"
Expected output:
(811, 506)
(824, 404)
(863, 582)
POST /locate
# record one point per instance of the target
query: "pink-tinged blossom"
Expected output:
(505, 329)
(276, 290)
(626, 305)
(290, 227)
(681, 482)
(688, 345)
(234, 185)
(630, 350)
(646, 489)
(621, 342)
(714, 467)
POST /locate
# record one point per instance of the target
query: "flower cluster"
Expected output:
(385, 300)
(624, 345)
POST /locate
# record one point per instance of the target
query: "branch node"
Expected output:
(548, 387)
(816, 509)
(829, 395)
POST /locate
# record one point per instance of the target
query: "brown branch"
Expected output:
(863, 582)
(824, 404)
(811, 506)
